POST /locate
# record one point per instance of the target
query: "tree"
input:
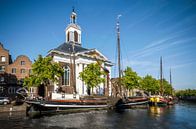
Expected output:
(150, 84)
(167, 88)
(130, 80)
(92, 76)
(44, 71)
(186, 93)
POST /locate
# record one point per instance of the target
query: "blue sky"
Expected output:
(149, 29)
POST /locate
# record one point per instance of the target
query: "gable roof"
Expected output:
(1, 45)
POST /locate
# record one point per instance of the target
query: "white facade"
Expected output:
(81, 63)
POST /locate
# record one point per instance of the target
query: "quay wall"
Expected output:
(12, 108)
(188, 98)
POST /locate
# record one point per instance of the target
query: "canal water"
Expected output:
(180, 116)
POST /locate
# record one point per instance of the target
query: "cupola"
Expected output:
(73, 30)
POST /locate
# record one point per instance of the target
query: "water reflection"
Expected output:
(180, 116)
(157, 111)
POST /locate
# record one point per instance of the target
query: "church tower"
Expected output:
(73, 31)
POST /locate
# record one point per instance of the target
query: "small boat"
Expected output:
(157, 101)
(171, 100)
(170, 103)
(132, 102)
(42, 107)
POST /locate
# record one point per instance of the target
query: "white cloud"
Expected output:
(162, 44)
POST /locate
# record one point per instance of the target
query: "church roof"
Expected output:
(67, 48)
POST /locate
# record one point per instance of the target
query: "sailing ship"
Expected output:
(126, 102)
(160, 100)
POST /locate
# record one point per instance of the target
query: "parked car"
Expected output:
(4, 100)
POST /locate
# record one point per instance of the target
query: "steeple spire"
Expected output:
(73, 30)
(73, 16)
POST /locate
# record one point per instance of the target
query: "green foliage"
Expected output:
(130, 79)
(43, 71)
(150, 84)
(167, 88)
(186, 93)
(92, 75)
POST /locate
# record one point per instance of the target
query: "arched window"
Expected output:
(75, 36)
(66, 76)
(68, 37)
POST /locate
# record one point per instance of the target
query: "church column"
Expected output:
(78, 80)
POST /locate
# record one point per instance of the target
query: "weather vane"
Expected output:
(119, 16)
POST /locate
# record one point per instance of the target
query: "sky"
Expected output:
(149, 29)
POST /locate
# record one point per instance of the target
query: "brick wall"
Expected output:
(21, 67)
(9, 80)
(4, 58)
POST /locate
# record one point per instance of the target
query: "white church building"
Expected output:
(71, 52)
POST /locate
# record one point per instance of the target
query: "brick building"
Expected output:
(5, 60)
(21, 67)
(12, 73)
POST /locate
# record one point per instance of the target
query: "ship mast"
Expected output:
(170, 77)
(118, 45)
(161, 76)
(170, 81)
